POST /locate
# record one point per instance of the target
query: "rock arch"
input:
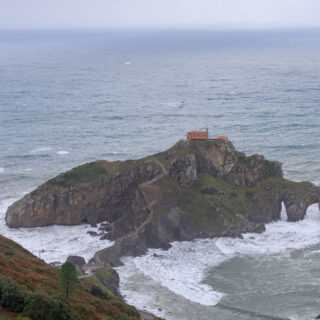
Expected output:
(297, 201)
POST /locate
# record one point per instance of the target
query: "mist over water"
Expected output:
(70, 97)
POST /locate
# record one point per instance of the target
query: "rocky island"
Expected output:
(195, 189)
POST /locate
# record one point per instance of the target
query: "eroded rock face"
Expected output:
(193, 190)
(184, 170)
(87, 194)
(109, 278)
(298, 199)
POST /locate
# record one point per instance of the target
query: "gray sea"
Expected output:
(72, 96)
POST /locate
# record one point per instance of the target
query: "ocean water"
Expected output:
(68, 97)
(270, 274)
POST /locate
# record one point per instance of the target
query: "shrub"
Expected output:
(11, 297)
(68, 278)
(40, 307)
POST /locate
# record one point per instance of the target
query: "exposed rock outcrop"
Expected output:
(78, 262)
(109, 278)
(103, 282)
(193, 190)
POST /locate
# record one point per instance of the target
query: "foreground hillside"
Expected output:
(25, 278)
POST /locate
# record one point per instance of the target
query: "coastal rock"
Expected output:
(92, 233)
(78, 262)
(91, 193)
(297, 200)
(103, 276)
(109, 278)
(184, 170)
(197, 189)
(105, 227)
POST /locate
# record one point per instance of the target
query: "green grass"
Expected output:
(85, 173)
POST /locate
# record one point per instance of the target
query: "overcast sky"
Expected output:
(159, 13)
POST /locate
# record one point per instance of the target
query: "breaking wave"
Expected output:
(62, 152)
(54, 243)
(40, 150)
(183, 268)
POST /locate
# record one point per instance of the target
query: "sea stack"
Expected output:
(195, 189)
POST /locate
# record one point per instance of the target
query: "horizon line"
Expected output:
(162, 28)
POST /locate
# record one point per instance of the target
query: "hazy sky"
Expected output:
(159, 13)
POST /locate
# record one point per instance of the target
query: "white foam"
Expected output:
(1, 170)
(54, 243)
(183, 268)
(142, 292)
(128, 63)
(62, 152)
(283, 214)
(173, 104)
(40, 150)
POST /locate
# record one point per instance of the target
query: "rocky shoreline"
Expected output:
(196, 189)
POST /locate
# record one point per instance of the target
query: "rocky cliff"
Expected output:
(193, 190)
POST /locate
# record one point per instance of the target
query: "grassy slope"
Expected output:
(34, 275)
